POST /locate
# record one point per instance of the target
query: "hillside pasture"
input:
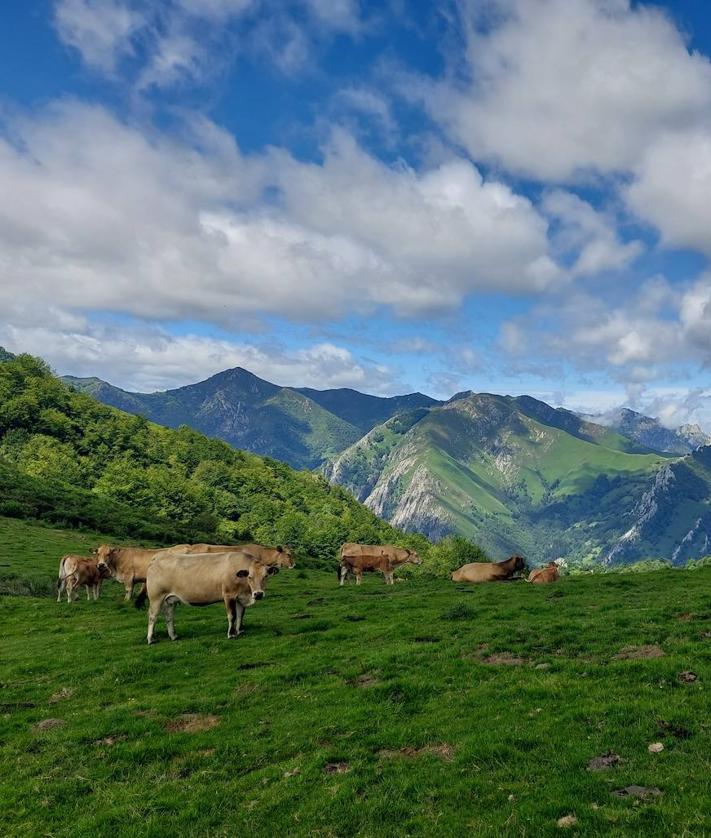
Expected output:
(424, 708)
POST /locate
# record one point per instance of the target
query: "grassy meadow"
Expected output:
(420, 709)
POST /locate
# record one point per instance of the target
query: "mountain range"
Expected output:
(512, 473)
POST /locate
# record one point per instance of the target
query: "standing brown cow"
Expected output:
(235, 578)
(75, 571)
(128, 565)
(490, 571)
(370, 558)
(544, 575)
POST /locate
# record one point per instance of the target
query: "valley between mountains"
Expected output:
(512, 473)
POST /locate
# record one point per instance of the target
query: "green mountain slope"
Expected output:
(68, 459)
(299, 427)
(511, 473)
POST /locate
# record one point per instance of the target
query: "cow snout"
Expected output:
(259, 594)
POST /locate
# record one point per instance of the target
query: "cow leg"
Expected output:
(61, 585)
(343, 573)
(359, 577)
(389, 578)
(70, 588)
(169, 613)
(88, 593)
(239, 616)
(153, 612)
(128, 586)
(231, 609)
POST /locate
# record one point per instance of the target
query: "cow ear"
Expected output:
(272, 570)
(242, 573)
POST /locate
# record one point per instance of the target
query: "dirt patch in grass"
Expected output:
(110, 740)
(608, 760)
(49, 724)
(367, 679)
(336, 768)
(60, 695)
(671, 729)
(504, 659)
(685, 617)
(253, 664)
(633, 653)
(354, 618)
(426, 639)
(638, 792)
(687, 677)
(9, 706)
(442, 751)
(192, 723)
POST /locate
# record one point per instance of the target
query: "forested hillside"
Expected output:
(66, 458)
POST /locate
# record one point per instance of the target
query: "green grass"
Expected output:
(329, 676)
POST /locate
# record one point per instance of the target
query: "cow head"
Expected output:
(285, 557)
(254, 580)
(413, 558)
(519, 564)
(106, 559)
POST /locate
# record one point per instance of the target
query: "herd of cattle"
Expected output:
(203, 574)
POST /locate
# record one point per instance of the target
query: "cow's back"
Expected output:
(477, 572)
(194, 577)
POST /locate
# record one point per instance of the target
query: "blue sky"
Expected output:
(500, 195)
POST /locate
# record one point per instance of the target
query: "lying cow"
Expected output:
(545, 575)
(128, 565)
(490, 571)
(75, 571)
(358, 559)
(235, 578)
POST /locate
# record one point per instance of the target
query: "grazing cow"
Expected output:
(75, 571)
(235, 578)
(370, 558)
(490, 571)
(128, 565)
(544, 575)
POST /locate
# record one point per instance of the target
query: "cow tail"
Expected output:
(60, 575)
(142, 596)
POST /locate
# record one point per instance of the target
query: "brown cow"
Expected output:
(544, 575)
(270, 556)
(75, 571)
(235, 578)
(489, 571)
(370, 558)
(128, 565)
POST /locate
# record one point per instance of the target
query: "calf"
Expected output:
(545, 575)
(235, 578)
(75, 571)
(358, 559)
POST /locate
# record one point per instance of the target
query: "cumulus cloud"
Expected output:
(100, 214)
(657, 329)
(553, 88)
(672, 186)
(590, 236)
(146, 359)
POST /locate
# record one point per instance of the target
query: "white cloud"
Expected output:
(555, 87)
(185, 40)
(146, 359)
(100, 214)
(101, 30)
(589, 235)
(672, 188)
